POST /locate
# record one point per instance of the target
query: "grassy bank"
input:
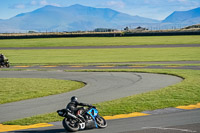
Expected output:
(184, 93)
(16, 89)
(73, 56)
(100, 41)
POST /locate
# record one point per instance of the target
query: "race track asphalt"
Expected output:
(179, 122)
(105, 47)
(101, 86)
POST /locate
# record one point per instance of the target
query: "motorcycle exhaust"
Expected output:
(65, 113)
(71, 115)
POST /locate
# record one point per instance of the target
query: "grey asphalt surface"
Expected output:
(70, 67)
(178, 122)
(168, 121)
(101, 86)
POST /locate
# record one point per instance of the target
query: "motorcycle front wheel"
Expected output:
(70, 125)
(101, 122)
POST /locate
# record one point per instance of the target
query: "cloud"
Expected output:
(118, 4)
(33, 3)
(177, 0)
(181, 1)
(18, 6)
(44, 3)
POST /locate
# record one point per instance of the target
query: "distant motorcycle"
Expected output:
(84, 119)
(5, 63)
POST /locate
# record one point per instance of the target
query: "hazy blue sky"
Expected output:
(156, 9)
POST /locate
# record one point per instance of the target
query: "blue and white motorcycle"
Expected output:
(84, 119)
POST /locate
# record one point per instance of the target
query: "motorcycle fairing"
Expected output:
(93, 112)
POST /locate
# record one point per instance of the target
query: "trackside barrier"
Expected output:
(114, 34)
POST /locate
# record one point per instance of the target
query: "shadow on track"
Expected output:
(48, 131)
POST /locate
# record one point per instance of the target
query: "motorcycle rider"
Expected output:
(73, 105)
(2, 57)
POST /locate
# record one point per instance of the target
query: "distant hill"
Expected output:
(184, 17)
(72, 18)
(196, 26)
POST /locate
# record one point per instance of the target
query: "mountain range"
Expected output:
(184, 17)
(82, 18)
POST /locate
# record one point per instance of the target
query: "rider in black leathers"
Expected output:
(1, 58)
(72, 106)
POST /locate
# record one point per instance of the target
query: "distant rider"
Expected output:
(73, 105)
(2, 57)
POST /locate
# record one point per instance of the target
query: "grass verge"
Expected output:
(75, 56)
(16, 89)
(100, 41)
(184, 93)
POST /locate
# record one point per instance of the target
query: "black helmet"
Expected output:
(74, 99)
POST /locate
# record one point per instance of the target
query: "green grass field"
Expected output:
(16, 89)
(76, 56)
(100, 41)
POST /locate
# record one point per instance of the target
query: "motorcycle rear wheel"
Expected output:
(101, 122)
(69, 126)
(7, 65)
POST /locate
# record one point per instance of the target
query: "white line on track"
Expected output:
(174, 129)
